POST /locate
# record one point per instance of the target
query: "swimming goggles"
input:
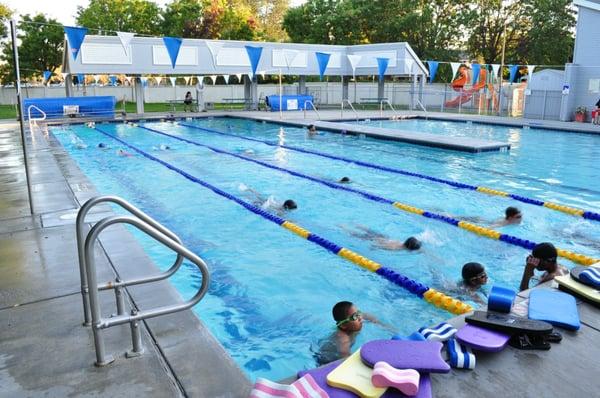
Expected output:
(354, 317)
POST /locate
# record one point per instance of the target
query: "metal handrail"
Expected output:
(385, 101)
(351, 107)
(33, 121)
(421, 105)
(314, 108)
(118, 284)
(99, 323)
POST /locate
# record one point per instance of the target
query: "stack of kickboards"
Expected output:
(401, 367)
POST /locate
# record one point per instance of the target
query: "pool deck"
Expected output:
(46, 352)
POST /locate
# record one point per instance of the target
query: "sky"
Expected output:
(65, 10)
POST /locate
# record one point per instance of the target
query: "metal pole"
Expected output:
(13, 32)
(501, 69)
(280, 94)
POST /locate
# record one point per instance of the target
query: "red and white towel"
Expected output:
(304, 387)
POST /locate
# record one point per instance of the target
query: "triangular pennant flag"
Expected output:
(172, 79)
(173, 45)
(80, 78)
(476, 70)
(226, 78)
(495, 69)
(187, 79)
(64, 75)
(75, 36)
(289, 56)
(128, 78)
(530, 69)
(262, 74)
(214, 47)
(158, 80)
(125, 38)
(144, 81)
(213, 78)
(454, 66)
(96, 78)
(382, 64)
(254, 54)
(47, 75)
(433, 68)
(323, 61)
(513, 69)
(354, 60)
(113, 80)
(250, 75)
(239, 77)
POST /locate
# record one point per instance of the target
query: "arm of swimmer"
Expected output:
(371, 318)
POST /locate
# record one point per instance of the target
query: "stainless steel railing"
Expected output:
(91, 287)
(351, 107)
(314, 108)
(385, 101)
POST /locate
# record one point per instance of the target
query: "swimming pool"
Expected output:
(272, 292)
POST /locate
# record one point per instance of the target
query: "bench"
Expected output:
(373, 100)
(236, 101)
(173, 105)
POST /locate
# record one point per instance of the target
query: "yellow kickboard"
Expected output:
(577, 287)
(353, 375)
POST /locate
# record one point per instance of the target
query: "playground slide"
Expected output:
(459, 83)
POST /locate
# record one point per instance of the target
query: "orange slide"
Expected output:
(459, 83)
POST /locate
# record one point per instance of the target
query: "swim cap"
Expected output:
(545, 251)
(290, 205)
(511, 212)
(412, 243)
(344, 179)
(470, 270)
(101, 145)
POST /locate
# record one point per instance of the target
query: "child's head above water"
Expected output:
(474, 275)
(347, 317)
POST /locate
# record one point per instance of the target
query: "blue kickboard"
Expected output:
(556, 308)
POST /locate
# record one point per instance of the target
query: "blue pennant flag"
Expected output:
(75, 36)
(47, 75)
(476, 70)
(382, 64)
(433, 68)
(513, 72)
(254, 54)
(80, 78)
(323, 60)
(173, 45)
(113, 80)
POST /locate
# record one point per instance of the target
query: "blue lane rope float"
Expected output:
(430, 295)
(474, 228)
(590, 215)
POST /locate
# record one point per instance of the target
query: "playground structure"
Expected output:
(483, 93)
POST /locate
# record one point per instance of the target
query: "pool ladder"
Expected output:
(382, 105)
(34, 120)
(90, 286)
(314, 108)
(345, 101)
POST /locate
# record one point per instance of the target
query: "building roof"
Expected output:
(588, 4)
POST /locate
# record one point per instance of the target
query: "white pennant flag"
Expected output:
(530, 69)
(96, 78)
(226, 77)
(172, 79)
(408, 65)
(64, 76)
(354, 60)
(262, 74)
(214, 79)
(239, 77)
(125, 40)
(495, 69)
(250, 75)
(128, 78)
(454, 66)
(214, 47)
(158, 80)
(187, 80)
(289, 56)
(144, 80)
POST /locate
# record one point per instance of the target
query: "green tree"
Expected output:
(180, 15)
(269, 17)
(220, 20)
(5, 14)
(41, 48)
(136, 16)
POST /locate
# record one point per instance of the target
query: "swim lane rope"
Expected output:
(590, 215)
(474, 228)
(430, 295)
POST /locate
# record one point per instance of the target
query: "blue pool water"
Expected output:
(271, 294)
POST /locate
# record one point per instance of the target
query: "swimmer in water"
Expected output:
(344, 180)
(123, 153)
(312, 130)
(382, 241)
(269, 203)
(512, 215)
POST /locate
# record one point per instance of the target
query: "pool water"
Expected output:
(271, 294)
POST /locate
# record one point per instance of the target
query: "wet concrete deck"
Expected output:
(45, 351)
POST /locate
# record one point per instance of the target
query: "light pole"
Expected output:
(501, 70)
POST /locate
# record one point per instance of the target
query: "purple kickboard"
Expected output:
(422, 356)
(320, 376)
(482, 339)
